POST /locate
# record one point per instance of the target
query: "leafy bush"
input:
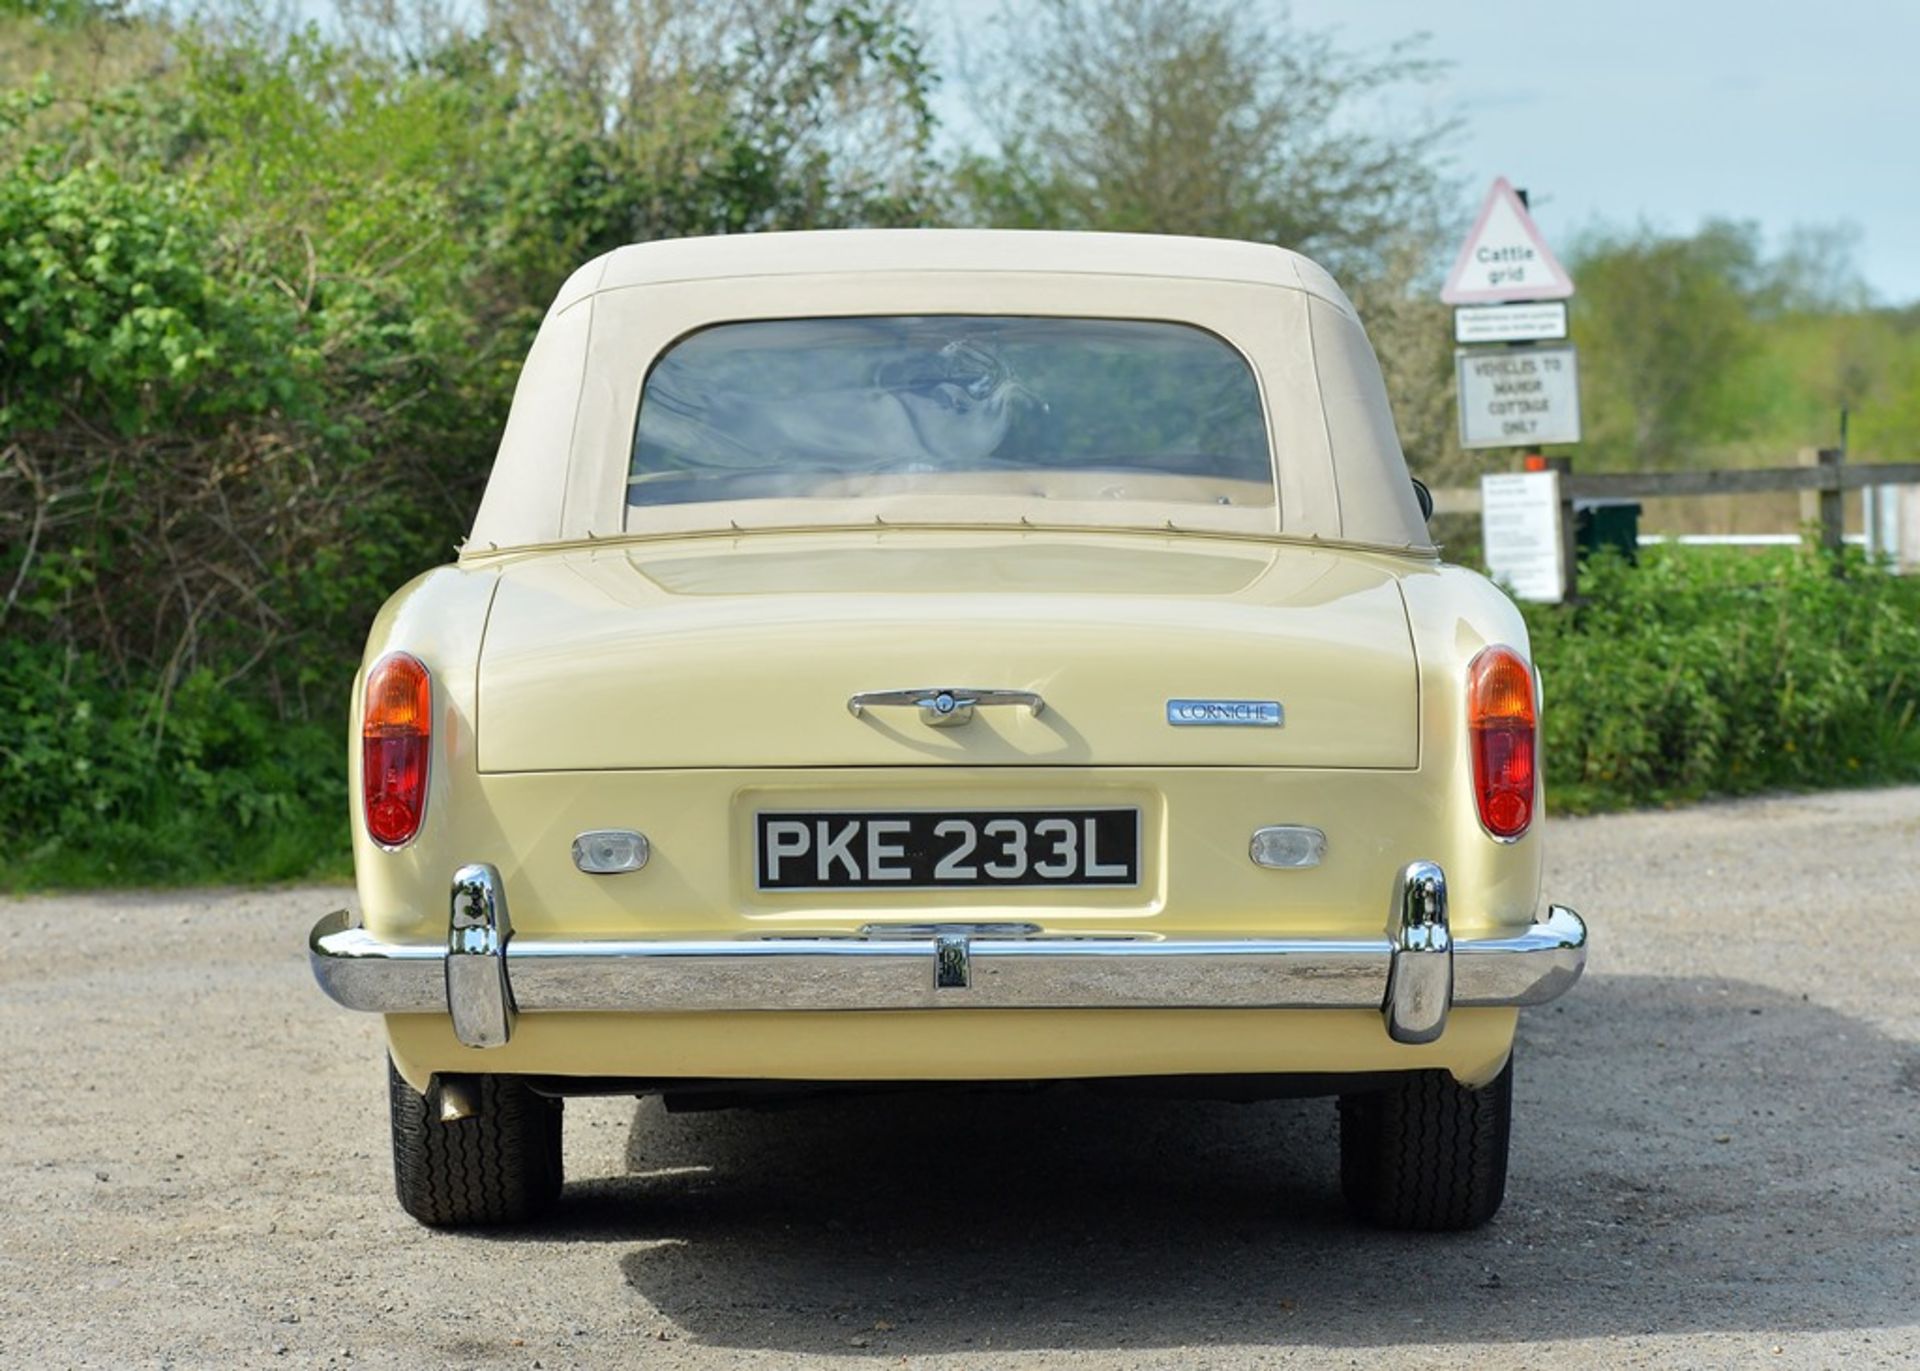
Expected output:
(262, 308)
(102, 787)
(1707, 671)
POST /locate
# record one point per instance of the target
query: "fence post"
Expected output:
(1569, 543)
(1828, 505)
(1833, 504)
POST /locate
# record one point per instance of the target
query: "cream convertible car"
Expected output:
(905, 657)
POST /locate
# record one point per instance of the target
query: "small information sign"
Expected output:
(1541, 321)
(1518, 397)
(1520, 526)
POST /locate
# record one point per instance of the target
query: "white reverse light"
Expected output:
(609, 851)
(1288, 847)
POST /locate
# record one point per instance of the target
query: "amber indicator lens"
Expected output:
(1502, 729)
(396, 732)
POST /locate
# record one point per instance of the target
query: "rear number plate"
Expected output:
(923, 850)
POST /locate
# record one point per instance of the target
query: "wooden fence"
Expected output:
(1823, 474)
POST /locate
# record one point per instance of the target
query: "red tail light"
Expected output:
(1502, 729)
(396, 731)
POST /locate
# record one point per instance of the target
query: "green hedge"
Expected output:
(99, 786)
(1721, 671)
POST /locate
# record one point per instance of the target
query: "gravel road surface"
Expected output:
(1716, 1163)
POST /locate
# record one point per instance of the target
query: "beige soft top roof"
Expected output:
(561, 471)
(995, 250)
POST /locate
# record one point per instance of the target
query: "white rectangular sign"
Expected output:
(1520, 533)
(1531, 323)
(1518, 397)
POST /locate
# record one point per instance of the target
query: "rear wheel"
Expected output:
(499, 1164)
(1426, 1153)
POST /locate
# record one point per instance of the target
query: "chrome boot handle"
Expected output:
(944, 706)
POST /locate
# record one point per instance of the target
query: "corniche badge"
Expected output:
(1226, 713)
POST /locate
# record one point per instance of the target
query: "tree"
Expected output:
(65, 13)
(1200, 117)
(1818, 271)
(1663, 324)
(753, 114)
(1412, 334)
(1205, 117)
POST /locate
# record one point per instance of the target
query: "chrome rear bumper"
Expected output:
(483, 976)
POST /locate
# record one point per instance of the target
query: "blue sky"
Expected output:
(1624, 110)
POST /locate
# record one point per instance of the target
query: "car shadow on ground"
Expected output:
(1656, 1118)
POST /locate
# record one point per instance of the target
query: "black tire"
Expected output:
(1427, 1153)
(498, 1165)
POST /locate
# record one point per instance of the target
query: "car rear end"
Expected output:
(989, 753)
(1073, 844)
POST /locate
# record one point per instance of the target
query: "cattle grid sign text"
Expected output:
(1519, 397)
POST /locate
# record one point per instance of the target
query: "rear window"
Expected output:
(950, 418)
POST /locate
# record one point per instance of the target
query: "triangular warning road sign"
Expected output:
(1505, 258)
